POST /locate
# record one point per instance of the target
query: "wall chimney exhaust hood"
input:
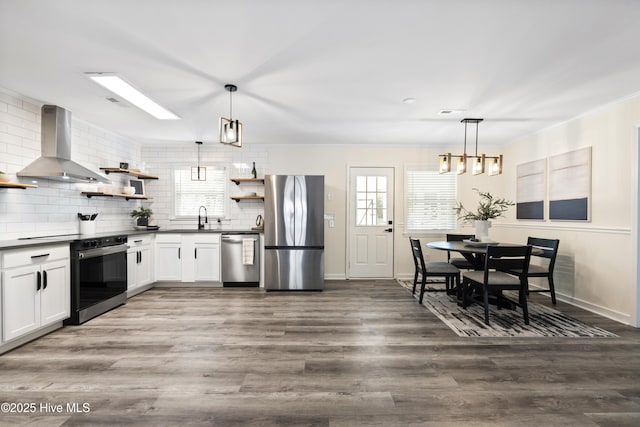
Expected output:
(55, 160)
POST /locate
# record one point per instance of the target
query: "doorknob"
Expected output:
(388, 230)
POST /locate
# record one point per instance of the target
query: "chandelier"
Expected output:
(478, 165)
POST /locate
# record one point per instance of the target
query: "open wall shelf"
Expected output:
(91, 194)
(16, 185)
(129, 172)
(238, 181)
(238, 198)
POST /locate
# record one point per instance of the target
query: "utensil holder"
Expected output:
(87, 227)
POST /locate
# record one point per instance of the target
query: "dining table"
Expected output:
(473, 252)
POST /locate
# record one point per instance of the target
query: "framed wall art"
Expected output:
(531, 189)
(570, 186)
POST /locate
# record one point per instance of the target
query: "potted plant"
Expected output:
(4, 177)
(141, 216)
(490, 207)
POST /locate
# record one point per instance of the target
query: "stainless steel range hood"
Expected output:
(55, 160)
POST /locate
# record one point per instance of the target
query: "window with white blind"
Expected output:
(189, 195)
(430, 199)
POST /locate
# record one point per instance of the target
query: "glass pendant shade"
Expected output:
(445, 163)
(198, 173)
(495, 165)
(230, 132)
(462, 164)
(478, 165)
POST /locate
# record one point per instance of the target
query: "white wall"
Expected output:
(161, 159)
(596, 263)
(332, 161)
(52, 207)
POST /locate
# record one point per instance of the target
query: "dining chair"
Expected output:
(460, 262)
(494, 278)
(448, 272)
(549, 248)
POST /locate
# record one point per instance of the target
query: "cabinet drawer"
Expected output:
(169, 238)
(34, 255)
(140, 240)
(205, 238)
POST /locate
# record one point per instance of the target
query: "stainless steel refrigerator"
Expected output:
(294, 232)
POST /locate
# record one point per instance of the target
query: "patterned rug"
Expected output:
(543, 321)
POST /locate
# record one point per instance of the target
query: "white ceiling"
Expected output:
(326, 71)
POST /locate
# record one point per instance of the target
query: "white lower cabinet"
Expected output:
(206, 260)
(139, 261)
(168, 257)
(188, 257)
(35, 289)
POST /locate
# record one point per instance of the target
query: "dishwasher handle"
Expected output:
(228, 239)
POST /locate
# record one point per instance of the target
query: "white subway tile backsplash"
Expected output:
(20, 112)
(160, 161)
(10, 139)
(22, 132)
(9, 99)
(52, 207)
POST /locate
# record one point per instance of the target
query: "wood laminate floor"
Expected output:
(361, 353)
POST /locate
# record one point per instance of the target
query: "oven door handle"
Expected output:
(92, 253)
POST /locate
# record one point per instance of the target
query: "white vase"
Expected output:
(482, 229)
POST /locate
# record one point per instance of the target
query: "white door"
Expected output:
(55, 295)
(144, 273)
(371, 222)
(132, 267)
(169, 261)
(207, 262)
(21, 301)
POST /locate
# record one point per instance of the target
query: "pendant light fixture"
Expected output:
(199, 173)
(230, 130)
(478, 166)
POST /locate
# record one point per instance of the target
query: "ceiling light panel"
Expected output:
(117, 85)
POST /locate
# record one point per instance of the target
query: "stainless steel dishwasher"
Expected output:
(240, 259)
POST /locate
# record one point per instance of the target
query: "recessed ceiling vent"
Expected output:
(450, 112)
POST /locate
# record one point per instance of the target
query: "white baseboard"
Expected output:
(17, 342)
(335, 277)
(136, 291)
(188, 284)
(597, 309)
(585, 305)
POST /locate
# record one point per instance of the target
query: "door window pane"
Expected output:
(371, 199)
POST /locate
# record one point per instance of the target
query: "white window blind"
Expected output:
(431, 200)
(190, 195)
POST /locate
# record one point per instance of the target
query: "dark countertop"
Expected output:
(68, 238)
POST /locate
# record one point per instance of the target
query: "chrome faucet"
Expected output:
(206, 220)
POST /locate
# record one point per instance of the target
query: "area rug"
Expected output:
(543, 321)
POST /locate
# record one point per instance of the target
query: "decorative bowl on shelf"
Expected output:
(129, 191)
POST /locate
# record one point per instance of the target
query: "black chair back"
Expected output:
(418, 258)
(457, 238)
(549, 248)
(507, 258)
